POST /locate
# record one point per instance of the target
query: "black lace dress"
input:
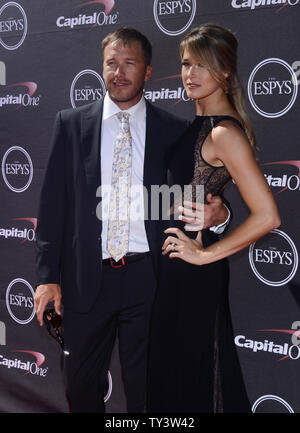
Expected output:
(193, 364)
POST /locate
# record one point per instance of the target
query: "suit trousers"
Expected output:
(123, 306)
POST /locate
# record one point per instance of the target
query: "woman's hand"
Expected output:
(184, 248)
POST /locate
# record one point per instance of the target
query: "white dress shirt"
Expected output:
(110, 127)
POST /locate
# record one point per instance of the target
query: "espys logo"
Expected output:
(269, 404)
(274, 258)
(28, 366)
(109, 387)
(17, 169)
(283, 179)
(167, 14)
(93, 19)
(13, 25)
(86, 87)
(20, 301)
(272, 87)
(23, 234)
(176, 93)
(253, 4)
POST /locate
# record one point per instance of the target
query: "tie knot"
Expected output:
(123, 117)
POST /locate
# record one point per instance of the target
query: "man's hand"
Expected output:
(44, 294)
(198, 216)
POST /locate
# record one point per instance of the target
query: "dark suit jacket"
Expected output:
(68, 235)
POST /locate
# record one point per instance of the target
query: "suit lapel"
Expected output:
(91, 120)
(154, 174)
(151, 150)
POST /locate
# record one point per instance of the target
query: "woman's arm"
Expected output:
(229, 144)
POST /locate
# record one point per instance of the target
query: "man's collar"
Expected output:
(110, 108)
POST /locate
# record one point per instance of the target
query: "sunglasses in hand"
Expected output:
(53, 322)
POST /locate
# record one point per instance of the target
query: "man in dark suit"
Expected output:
(102, 296)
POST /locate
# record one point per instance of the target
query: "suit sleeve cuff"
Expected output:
(219, 229)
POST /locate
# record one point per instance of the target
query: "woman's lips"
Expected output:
(193, 85)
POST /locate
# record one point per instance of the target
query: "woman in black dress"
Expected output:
(193, 364)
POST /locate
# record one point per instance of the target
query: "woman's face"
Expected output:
(197, 80)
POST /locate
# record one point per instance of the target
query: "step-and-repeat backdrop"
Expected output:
(50, 59)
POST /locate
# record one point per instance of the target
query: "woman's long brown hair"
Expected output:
(216, 48)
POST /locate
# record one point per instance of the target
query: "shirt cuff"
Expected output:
(219, 229)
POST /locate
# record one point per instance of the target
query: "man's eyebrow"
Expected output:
(127, 58)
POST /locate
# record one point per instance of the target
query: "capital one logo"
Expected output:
(272, 87)
(23, 234)
(29, 367)
(173, 92)
(253, 4)
(13, 25)
(285, 350)
(17, 169)
(165, 11)
(19, 301)
(87, 86)
(283, 176)
(23, 94)
(92, 19)
(17, 95)
(274, 258)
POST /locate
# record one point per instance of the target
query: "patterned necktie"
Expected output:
(118, 224)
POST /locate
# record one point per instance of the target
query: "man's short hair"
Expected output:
(126, 35)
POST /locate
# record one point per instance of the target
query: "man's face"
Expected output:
(124, 73)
